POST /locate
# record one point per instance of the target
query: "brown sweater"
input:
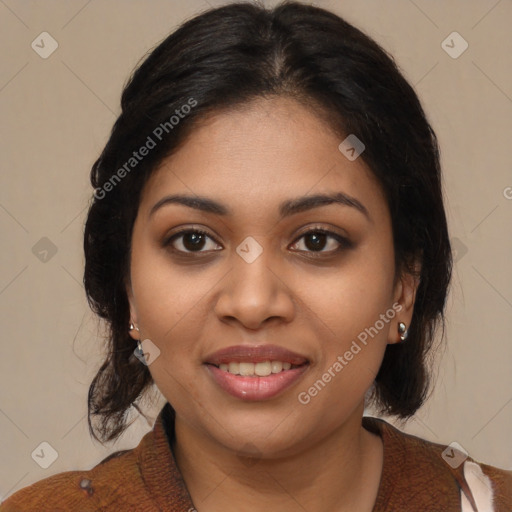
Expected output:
(415, 477)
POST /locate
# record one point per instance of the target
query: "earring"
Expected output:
(139, 344)
(403, 331)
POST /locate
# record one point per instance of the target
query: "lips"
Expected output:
(251, 387)
(255, 354)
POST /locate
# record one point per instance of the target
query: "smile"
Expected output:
(255, 373)
(248, 369)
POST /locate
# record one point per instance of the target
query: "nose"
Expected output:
(254, 292)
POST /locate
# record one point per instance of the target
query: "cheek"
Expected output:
(349, 303)
(351, 298)
(166, 303)
(166, 292)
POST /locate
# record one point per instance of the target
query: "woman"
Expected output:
(268, 244)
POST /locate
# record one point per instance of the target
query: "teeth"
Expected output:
(248, 369)
(277, 366)
(263, 369)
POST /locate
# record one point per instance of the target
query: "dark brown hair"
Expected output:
(225, 58)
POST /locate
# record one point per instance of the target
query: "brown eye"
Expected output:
(192, 240)
(317, 240)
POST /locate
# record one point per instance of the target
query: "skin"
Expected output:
(275, 453)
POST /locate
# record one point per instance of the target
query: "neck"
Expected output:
(341, 473)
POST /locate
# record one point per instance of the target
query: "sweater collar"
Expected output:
(158, 466)
(164, 480)
(392, 465)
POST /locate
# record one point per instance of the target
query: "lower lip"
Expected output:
(256, 388)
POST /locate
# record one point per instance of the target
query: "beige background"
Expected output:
(56, 115)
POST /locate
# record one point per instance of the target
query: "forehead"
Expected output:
(260, 155)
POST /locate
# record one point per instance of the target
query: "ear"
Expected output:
(134, 333)
(405, 290)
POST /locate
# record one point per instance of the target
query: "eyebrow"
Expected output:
(286, 209)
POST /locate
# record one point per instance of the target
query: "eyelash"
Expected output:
(345, 243)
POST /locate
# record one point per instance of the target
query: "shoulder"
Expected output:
(143, 478)
(433, 472)
(102, 486)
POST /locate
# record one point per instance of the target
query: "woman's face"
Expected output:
(257, 293)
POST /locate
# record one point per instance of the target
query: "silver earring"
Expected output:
(139, 348)
(403, 331)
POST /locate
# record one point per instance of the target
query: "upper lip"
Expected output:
(255, 354)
